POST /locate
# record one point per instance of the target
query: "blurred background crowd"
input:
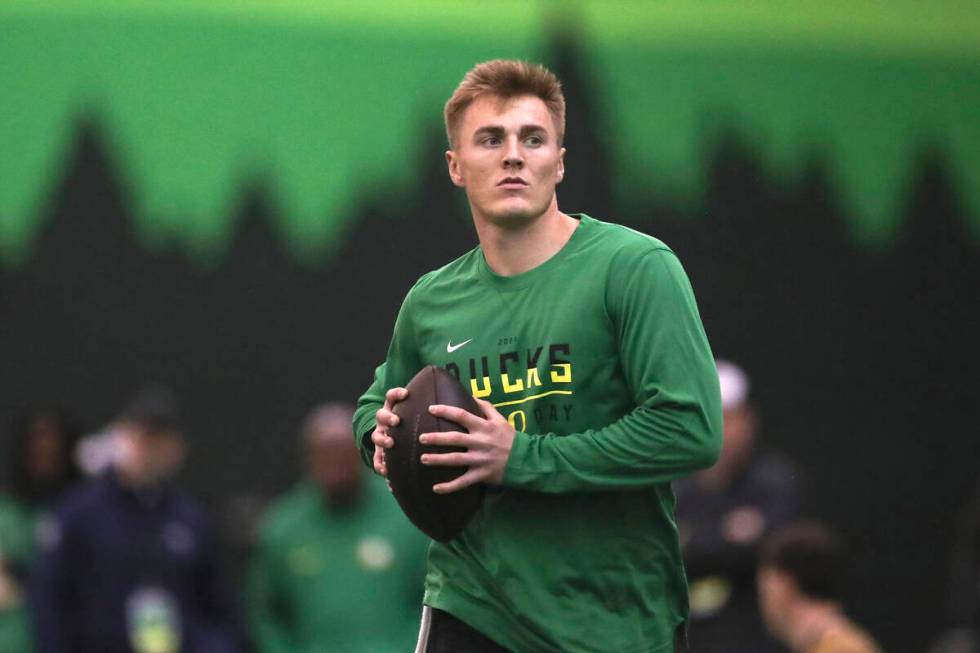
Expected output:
(209, 213)
(124, 560)
(102, 550)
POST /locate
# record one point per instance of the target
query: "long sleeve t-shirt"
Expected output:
(599, 360)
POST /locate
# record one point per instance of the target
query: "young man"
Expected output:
(799, 578)
(582, 343)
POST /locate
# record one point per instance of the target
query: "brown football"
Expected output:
(440, 516)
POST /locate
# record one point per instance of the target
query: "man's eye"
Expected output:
(534, 141)
(491, 140)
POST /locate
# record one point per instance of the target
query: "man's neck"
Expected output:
(341, 499)
(722, 475)
(514, 250)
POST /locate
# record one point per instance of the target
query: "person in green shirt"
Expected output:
(582, 343)
(334, 544)
(16, 547)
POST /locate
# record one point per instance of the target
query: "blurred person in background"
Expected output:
(723, 513)
(801, 568)
(127, 563)
(41, 468)
(336, 543)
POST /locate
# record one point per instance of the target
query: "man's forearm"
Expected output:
(646, 446)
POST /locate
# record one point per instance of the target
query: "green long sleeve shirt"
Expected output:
(599, 360)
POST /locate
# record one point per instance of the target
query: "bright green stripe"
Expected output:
(942, 27)
(517, 18)
(948, 28)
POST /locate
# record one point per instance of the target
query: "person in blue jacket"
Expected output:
(127, 561)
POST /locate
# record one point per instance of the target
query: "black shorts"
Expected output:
(441, 632)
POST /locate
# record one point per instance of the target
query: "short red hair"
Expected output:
(506, 78)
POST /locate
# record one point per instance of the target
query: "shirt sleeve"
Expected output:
(401, 364)
(675, 427)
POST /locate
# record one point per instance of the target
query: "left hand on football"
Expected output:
(487, 444)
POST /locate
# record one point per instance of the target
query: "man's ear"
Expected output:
(452, 161)
(561, 166)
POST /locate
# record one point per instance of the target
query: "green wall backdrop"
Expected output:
(233, 197)
(326, 99)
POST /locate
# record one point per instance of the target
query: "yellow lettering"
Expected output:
(565, 376)
(479, 392)
(511, 387)
(532, 378)
(514, 417)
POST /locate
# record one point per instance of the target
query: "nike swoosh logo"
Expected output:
(450, 347)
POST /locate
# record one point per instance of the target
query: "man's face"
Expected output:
(152, 456)
(333, 461)
(508, 159)
(738, 436)
(46, 455)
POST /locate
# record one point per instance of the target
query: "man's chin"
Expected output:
(514, 216)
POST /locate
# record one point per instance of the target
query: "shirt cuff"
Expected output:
(516, 473)
(362, 436)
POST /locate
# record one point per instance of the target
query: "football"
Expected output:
(440, 516)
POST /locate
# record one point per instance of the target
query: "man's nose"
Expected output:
(513, 157)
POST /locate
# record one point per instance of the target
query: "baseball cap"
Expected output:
(734, 384)
(155, 407)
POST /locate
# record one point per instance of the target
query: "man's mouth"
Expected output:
(512, 182)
